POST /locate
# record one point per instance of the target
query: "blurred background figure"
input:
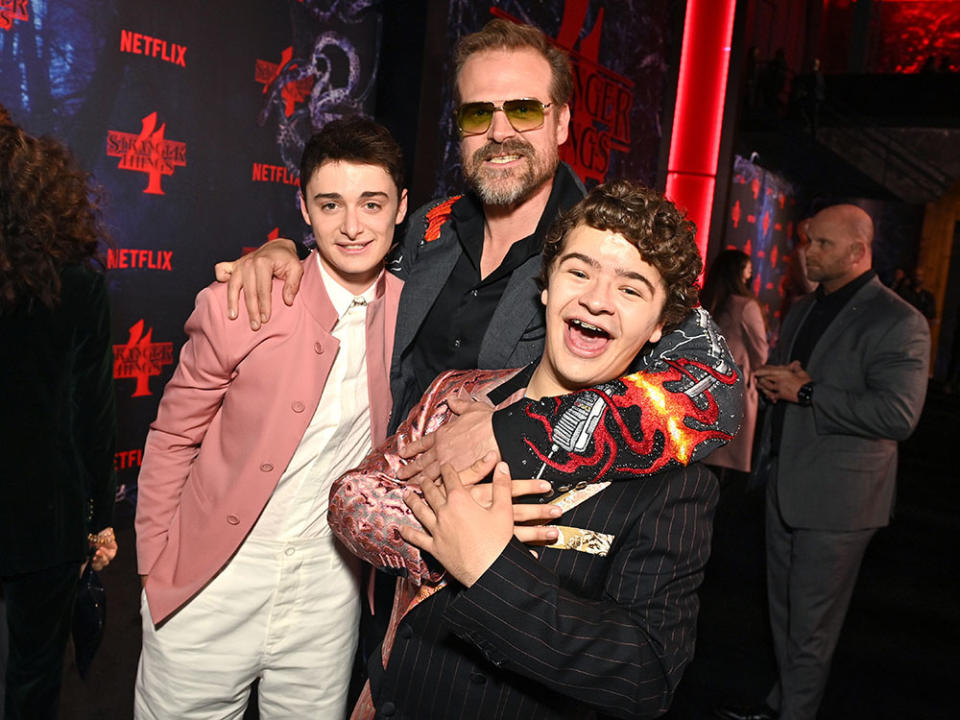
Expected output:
(727, 296)
(57, 417)
(913, 290)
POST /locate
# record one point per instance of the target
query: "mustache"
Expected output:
(510, 146)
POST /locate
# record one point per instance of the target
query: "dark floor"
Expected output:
(898, 655)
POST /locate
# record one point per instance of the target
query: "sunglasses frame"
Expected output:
(500, 107)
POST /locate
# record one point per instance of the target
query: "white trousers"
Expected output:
(284, 612)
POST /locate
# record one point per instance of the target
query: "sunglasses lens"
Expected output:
(524, 114)
(475, 117)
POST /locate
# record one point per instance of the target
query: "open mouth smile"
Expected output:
(586, 339)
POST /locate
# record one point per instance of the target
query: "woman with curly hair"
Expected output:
(57, 418)
(737, 313)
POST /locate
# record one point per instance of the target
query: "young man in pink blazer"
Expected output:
(242, 577)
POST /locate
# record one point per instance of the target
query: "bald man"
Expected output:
(847, 382)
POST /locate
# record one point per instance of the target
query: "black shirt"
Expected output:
(826, 307)
(454, 328)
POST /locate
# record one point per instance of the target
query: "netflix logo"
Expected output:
(139, 44)
(127, 459)
(148, 152)
(128, 258)
(262, 172)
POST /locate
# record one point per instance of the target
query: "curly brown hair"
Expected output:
(659, 230)
(49, 217)
(500, 34)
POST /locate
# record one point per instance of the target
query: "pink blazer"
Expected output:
(229, 422)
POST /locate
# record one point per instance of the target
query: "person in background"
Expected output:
(913, 290)
(57, 417)
(727, 297)
(847, 381)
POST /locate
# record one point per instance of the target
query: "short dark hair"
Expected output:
(499, 34)
(660, 231)
(354, 139)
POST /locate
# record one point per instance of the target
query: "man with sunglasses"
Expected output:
(470, 262)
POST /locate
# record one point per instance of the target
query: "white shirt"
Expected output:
(338, 436)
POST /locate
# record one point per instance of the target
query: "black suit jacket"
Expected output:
(57, 421)
(570, 633)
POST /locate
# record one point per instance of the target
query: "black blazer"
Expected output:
(57, 421)
(573, 634)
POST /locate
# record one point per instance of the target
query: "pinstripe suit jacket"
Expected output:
(568, 634)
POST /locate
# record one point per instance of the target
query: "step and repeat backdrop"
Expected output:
(191, 116)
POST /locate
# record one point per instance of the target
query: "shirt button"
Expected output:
(457, 343)
(473, 292)
(289, 551)
(318, 348)
(266, 467)
(297, 406)
(388, 709)
(233, 519)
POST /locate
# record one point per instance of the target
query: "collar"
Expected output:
(325, 298)
(840, 296)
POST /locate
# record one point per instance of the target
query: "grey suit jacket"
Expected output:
(838, 458)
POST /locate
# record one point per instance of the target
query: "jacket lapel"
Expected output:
(840, 326)
(518, 305)
(421, 288)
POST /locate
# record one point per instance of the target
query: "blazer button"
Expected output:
(388, 709)
(266, 467)
(405, 632)
(318, 348)
(477, 679)
(233, 519)
(298, 406)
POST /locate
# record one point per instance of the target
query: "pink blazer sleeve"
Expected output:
(190, 401)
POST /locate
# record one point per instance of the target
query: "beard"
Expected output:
(507, 186)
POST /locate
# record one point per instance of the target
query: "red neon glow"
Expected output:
(698, 115)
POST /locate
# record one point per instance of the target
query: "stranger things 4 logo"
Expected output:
(141, 358)
(11, 10)
(148, 152)
(292, 91)
(602, 99)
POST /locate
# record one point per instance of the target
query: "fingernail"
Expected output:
(552, 533)
(263, 317)
(232, 314)
(544, 486)
(555, 511)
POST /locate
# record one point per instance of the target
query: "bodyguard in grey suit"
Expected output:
(848, 380)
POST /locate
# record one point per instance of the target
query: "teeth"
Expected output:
(504, 158)
(588, 326)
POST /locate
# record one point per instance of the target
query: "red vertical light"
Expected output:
(698, 115)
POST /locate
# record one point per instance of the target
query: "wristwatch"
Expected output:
(805, 395)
